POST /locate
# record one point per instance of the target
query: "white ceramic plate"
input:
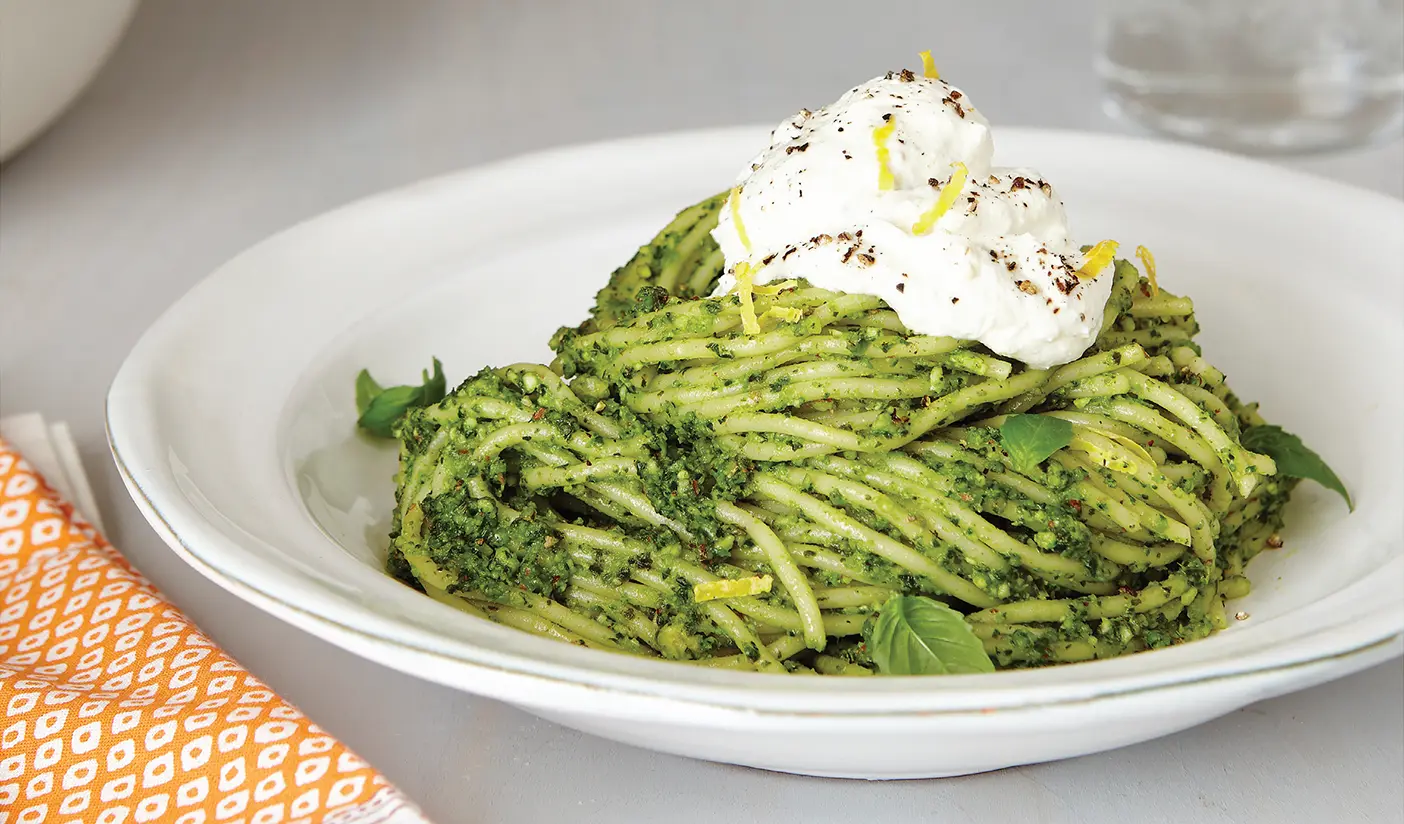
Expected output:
(232, 422)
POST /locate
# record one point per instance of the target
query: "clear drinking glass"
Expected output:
(1257, 76)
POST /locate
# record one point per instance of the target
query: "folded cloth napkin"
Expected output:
(114, 708)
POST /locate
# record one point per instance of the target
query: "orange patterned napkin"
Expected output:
(114, 708)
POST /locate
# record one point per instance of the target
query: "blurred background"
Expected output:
(214, 125)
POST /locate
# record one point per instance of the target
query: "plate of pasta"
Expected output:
(873, 460)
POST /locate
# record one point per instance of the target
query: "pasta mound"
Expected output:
(797, 457)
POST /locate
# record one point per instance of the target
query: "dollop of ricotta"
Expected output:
(890, 191)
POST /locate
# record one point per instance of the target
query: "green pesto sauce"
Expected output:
(499, 539)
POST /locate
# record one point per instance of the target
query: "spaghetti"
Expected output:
(680, 486)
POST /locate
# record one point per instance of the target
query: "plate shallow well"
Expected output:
(232, 422)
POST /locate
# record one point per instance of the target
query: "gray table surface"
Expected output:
(218, 124)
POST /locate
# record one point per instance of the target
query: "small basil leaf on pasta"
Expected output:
(915, 635)
(1030, 439)
(381, 408)
(1294, 459)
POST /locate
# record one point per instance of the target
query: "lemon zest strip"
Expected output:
(1131, 446)
(949, 193)
(884, 155)
(734, 203)
(1131, 465)
(785, 313)
(731, 588)
(1097, 259)
(928, 66)
(749, 324)
(1148, 261)
(775, 288)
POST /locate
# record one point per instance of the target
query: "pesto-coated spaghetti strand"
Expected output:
(1245, 467)
(812, 623)
(1152, 597)
(879, 544)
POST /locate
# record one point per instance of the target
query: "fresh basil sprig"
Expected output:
(380, 408)
(1030, 439)
(915, 635)
(1294, 459)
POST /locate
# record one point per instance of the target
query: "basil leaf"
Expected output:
(366, 390)
(381, 408)
(1293, 458)
(1030, 439)
(434, 387)
(915, 635)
